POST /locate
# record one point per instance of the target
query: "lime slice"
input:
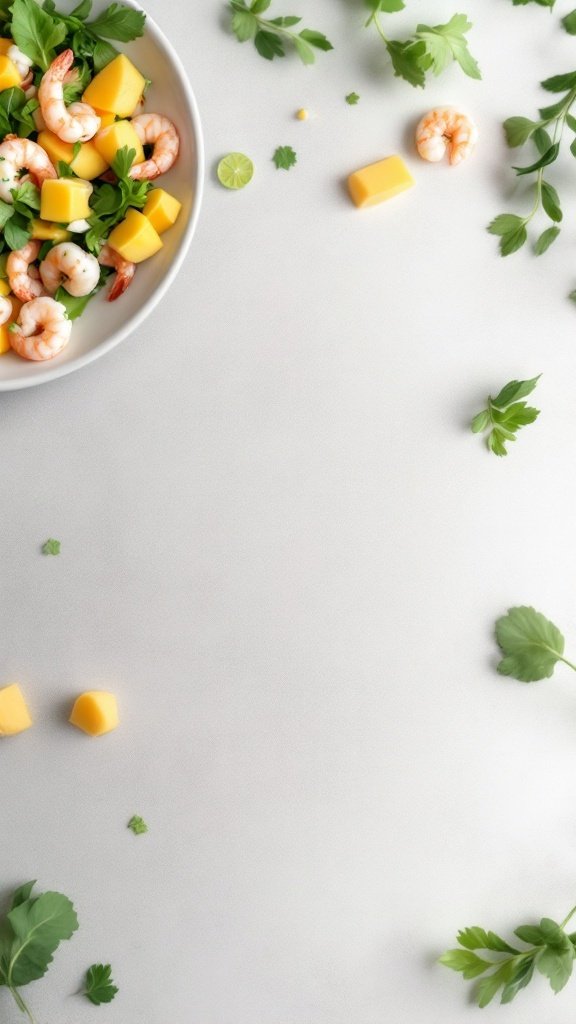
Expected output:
(235, 170)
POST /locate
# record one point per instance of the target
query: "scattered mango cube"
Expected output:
(117, 89)
(109, 140)
(44, 231)
(135, 238)
(162, 210)
(65, 199)
(95, 712)
(14, 714)
(380, 181)
(9, 74)
(87, 164)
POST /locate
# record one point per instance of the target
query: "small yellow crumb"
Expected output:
(302, 114)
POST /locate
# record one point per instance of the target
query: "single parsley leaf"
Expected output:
(410, 60)
(36, 32)
(270, 35)
(445, 43)
(138, 825)
(506, 414)
(51, 547)
(530, 643)
(284, 158)
(118, 22)
(352, 99)
(100, 987)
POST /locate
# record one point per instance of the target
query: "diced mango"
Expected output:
(5, 45)
(379, 181)
(109, 140)
(65, 199)
(106, 118)
(118, 88)
(95, 712)
(87, 164)
(162, 209)
(9, 74)
(44, 231)
(5, 345)
(4, 287)
(135, 238)
(14, 714)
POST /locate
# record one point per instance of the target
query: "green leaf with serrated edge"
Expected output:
(556, 964)
(560, 83)
(447, 42)
(547, 158)
(488, 987)
(119, 22)
(409, 60)
(542, 140)
(480, 422)
(39, 926)
(268, 45)
(317, 39)
(513, 391)
(529, 933)
(478, 938)
(137, 825)
(244, 25)
(518, 130)
(100, 987)
(517, 415)
(545, 240)
(569, 23)
(36, 33)
(505, 223)
(521, 977)
(513, 241)
(467, 963)
(352, 99)
(530, 643)
(495, 444)
(284, 158)
(551, 201)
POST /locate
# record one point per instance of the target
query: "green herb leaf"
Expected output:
(518, 130)
(560, 83)
(469, 964)
(284, 158)
(530, 643)
(478, 938)
(138, 825)
(506, 414)
(505, 224)
(569, 23)
(51, 547)
(75, 305)
(519, 979)
(36, 32)
(547, 158)
(100, 987)
(445, 43)
(119, 22)
(352, 99)
(39, 926)
(551, 202)
(542, 140)
(271, 35)
(410, 60)
(16, 232)
(545, 240)
(514, 391)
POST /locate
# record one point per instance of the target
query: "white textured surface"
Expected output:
(284, 551)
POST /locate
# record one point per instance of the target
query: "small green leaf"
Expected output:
(530, 643)
(488, 987)
(542, 140)
(478, 938)
(513, 241)
(244, 25)
(100, 987)
(530, 933)
(569, 23)
(545, 240)
(547, 158)
(268, 45)
(521, 977)
(469, 964)
(551, 202)
(284, 158)
(560, 83)
(480, 422)
(137, 825)
(514, 391)
(352, 99)
(51, 547)
(505, 224)
(518, 130)
(317, 39)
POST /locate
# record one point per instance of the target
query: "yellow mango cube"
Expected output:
(106, 118)
(5, 345)
(379, 181)
(65, 199)
(14, 714)
(162, 209)
(5, 45)
(135, 238)
(44, 231)
(87, 164)
(4, 287)
(9, 74)
(109, 140)
(117, 89)
(95, 712)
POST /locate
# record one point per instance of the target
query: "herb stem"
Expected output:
(21, 1004)
(572, 666)
(572, 912)
(374, 18)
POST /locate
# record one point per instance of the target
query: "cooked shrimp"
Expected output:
(5, 309)
(155, 130)
(18, 155)
(124, 271)
(24, 278)
(77, 123)
(42, 330)
(70, 266)
(446, 130)
(22, 62)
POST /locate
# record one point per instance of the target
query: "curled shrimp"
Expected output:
(77, 123)
(42, 329)
(124, 271)
(446, 130)
(157, 131)
(24, 278)
(5, 310)
(70, 266)
(18, 155)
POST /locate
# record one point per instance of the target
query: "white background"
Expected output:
(284, 551)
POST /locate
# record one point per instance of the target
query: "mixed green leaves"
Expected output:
(109, 202)
(137, 825)
(432, 48)
(16, 217)
(30, 934)
(506, 414)
(545, 134)
(271, 36)
(16, 114)
(284, 158)
(531, 645)
(41, 31)
(546, 948)
(100, 987)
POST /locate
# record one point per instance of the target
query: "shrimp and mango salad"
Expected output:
(78, 157)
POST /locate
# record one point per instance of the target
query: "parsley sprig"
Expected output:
(546, 133)
(531, 645)
(431, 48)
(270, 36)
(16, 217)
(506, 414)
(110, 202)
(100, 987)
(546, 948)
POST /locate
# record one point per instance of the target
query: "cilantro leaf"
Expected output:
(284, 158)
(506, 414)
(51, 547)
(119, 22)
(352, 99)
(137, 825)
(530, 643)
(445, 43)
(100, 987)
(36, 32)
(270, 35)
(410, 60)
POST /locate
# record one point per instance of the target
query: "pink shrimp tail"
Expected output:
(61, 64)
(121, 282)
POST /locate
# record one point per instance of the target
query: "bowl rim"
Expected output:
(53, 372)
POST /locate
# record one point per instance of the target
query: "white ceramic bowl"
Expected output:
(105, 324)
